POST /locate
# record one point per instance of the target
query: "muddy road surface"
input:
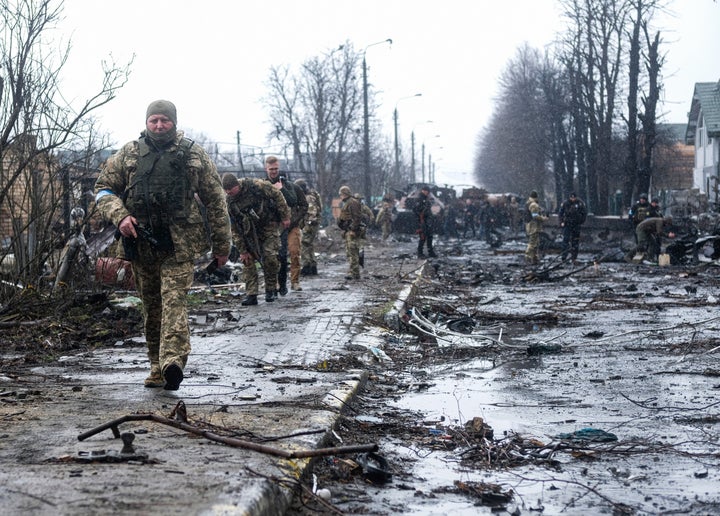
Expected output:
(565, 389)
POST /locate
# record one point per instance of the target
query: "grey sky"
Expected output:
(212, 60)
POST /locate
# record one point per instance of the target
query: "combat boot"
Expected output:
(431, 253)
(155, 378)
(313, 270)
(269, 296)
(173, 377)
(305, 271)
(295, 286)
(250, 300)
(283, 289)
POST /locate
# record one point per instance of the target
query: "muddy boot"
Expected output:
(282, 281)
(269, 296)
(250, 300)
(313, 270)
(173, 375)
(155, 379)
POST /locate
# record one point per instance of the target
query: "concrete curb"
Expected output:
(273, 500)
(394, 317)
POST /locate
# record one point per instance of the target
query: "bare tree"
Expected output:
(638, 160)
(515, 151)
(317, 111)
(36, 125)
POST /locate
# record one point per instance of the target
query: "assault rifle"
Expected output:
(248, 231)
(130, 243)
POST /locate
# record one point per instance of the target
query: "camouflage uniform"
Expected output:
(310, 231)
(384, 219)
(256, 212)
(350, 221)
(367, 216)
(649, 233)
(163, 276)
(533, 228)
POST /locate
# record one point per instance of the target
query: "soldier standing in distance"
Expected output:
(572, 215)
(384, 216)
(423, 211)
(350, 221)
(148, 190)
(534, 221)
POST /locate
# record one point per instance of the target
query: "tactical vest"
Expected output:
(253, 196)
(642, 213)
(161, 192)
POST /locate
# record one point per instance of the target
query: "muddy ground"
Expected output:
(588, 389)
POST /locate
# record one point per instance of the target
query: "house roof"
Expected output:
(705, 102)
(672, 132)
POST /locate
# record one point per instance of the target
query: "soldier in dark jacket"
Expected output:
(258, 212)
(289, 237)
(163, 230)
(423, 211)
(572, 216)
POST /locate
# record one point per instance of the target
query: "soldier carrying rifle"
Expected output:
(152, 190)
(257, 211)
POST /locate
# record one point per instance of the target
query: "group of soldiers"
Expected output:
(273, 219)
(163, 194)
(649, 228)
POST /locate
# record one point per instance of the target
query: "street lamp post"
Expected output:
(412, 156)
(412, 159)
(397, 146)
(423, 161)
(366, 124)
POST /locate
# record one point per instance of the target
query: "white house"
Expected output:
(703, 132)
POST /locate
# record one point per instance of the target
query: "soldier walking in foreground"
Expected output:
(257, 212)
(148, 190)
(350, 221)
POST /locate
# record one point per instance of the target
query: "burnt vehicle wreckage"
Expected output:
(592, 382)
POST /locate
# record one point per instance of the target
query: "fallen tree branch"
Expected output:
(182, 424)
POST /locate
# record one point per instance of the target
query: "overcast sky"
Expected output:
(212, 59)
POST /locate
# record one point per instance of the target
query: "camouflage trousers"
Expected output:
(386, 229)
(269, 239)
(307, 243)
(294, 247)
(352, 251)
(532, 251)
(163, 284)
